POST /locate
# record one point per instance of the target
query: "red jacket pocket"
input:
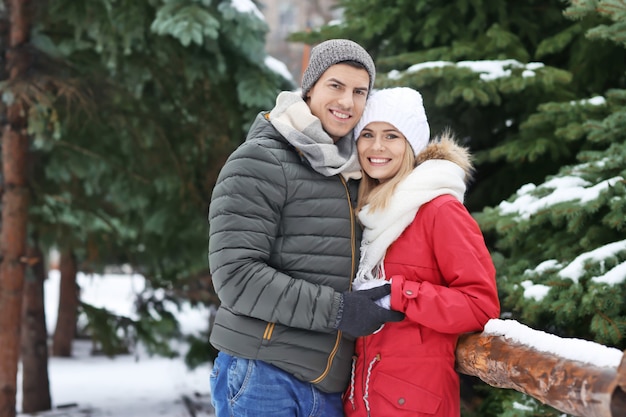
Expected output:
(404, 395)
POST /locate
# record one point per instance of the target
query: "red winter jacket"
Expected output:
(443, 279)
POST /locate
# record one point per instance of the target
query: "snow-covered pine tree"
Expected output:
(564, 241)
(561, 244)
(544, 111)
(484, 67)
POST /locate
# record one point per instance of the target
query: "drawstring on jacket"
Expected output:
(367, 382)
(366, 394)
(351, 396)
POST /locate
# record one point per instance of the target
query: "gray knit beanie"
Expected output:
(332, 52)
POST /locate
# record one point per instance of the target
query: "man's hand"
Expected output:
(359, 315)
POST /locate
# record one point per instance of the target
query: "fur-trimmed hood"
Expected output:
(445, 147)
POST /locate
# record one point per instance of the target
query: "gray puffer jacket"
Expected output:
(283, 244)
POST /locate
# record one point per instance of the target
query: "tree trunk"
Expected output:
(65, 330)
(573, 387)
(14, 206)
(35, 381)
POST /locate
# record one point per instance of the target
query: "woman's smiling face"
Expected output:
(381, 148)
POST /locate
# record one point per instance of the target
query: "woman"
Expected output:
(418, 235)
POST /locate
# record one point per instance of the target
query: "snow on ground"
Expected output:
(135, 385)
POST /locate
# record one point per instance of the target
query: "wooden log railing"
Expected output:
(585, 380)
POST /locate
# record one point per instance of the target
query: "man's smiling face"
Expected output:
(338, 98)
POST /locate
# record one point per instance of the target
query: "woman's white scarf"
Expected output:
(292, 117)
(428, 180)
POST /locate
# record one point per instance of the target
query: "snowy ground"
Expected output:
(129, 385)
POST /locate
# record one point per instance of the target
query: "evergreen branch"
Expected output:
(179, 169)
(95, 155)
(80, 204)
(608, 320)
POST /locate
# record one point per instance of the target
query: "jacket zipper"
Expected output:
(331, 357)
(352, 229)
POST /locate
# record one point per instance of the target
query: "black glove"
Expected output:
(359, 315)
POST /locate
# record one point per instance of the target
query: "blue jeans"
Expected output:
(252, 388)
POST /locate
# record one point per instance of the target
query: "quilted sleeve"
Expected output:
(244, 217)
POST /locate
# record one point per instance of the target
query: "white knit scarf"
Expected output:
(294, 120)
(428, 180)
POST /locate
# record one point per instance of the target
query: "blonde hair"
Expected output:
(377, 195)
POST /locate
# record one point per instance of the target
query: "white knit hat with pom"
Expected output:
(404, 109)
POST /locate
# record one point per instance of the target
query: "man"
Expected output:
(283, 248)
